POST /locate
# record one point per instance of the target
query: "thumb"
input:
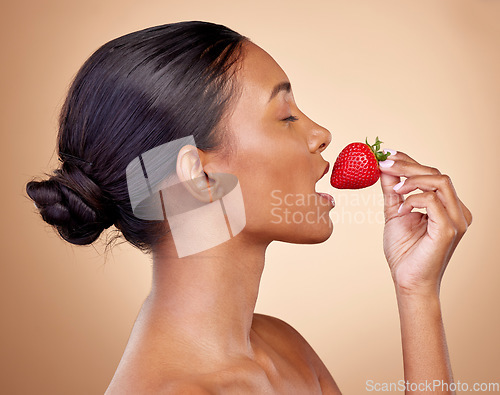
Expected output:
(392, 200)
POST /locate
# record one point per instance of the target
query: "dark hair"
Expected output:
(134, 93)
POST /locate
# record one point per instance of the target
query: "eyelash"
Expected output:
(291, 118)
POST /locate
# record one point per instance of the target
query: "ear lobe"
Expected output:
(206, 188)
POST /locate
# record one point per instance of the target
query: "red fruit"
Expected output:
(357, 166)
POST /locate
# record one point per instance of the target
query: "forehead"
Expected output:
(259, 72)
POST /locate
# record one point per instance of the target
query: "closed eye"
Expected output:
(291, 118)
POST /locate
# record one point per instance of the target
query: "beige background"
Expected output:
(424, 76)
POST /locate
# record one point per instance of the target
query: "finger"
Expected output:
(403, 168)
(399, 155)
(467, 213)
(445, 191)
(440, 224)
(392, 200)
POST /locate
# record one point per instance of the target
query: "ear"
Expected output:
(204, 187)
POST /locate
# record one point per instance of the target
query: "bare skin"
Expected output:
(197, 332)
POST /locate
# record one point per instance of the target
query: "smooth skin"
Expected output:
(197, 332)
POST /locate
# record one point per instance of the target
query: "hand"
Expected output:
(419, 246)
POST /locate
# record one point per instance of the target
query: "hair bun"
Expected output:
(73, 204)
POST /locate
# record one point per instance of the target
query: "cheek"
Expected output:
(276, 165)
(273, 154)
(275, 188)
(271, 164)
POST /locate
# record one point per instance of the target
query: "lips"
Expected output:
(326, 170)
(326, 196)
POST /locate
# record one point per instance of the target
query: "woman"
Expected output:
(196, 331)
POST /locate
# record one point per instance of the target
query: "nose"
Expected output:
(318, 138)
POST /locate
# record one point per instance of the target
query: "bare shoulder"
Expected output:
(284, 335)
(273, 326)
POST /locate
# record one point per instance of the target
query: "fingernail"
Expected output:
(400, 208)
(386, 163)
(393, 152)
(398, 186)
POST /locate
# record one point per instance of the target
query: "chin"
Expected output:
(312, 234)
(320, 234)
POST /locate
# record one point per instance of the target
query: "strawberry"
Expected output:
(357, 165)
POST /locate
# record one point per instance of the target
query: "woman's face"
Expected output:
(276, 156)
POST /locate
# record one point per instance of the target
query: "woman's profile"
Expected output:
(197, 332)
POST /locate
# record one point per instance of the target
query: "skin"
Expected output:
(197, 332)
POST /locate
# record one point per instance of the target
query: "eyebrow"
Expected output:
(282, 86)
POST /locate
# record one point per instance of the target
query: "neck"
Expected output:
(207, 299)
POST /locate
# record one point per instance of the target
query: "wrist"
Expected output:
(419, 306)
(424, 293)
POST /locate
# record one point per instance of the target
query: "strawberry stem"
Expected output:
(375, 148)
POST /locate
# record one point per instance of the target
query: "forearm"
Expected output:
(425, 353)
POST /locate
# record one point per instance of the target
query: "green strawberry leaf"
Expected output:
(375, 148)
(381, 156)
